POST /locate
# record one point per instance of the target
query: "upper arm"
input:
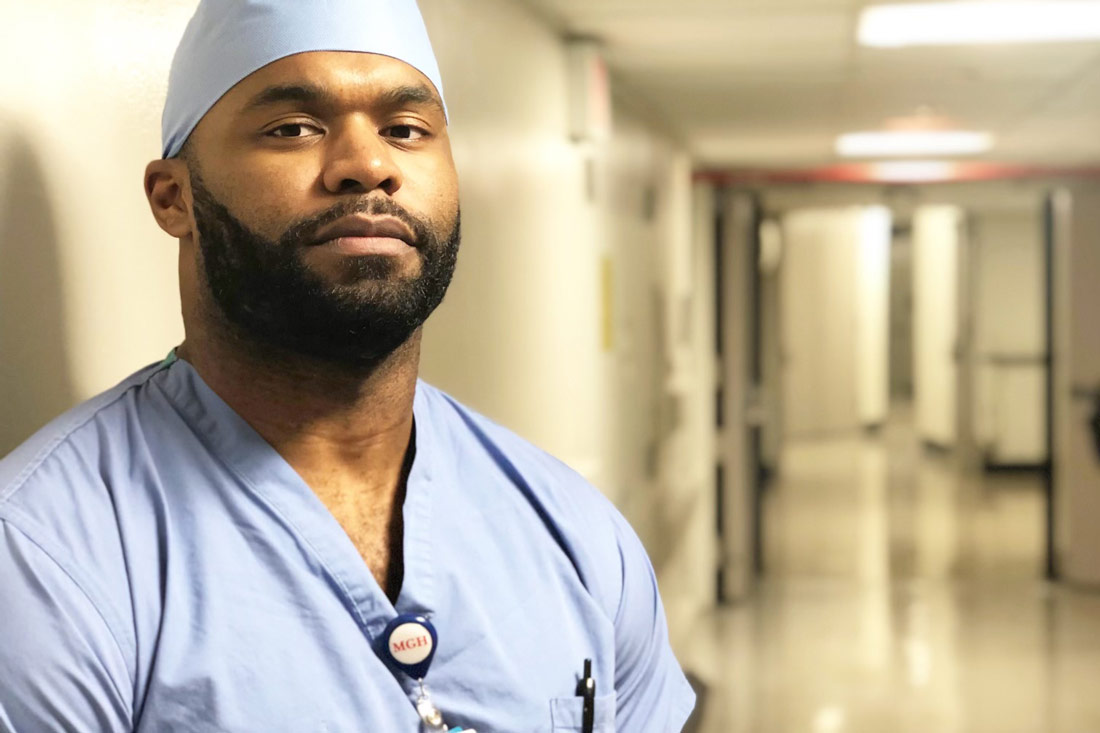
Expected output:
(652, 693)
(61, 668)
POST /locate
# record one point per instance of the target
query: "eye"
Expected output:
(405, 132)
(293, 129)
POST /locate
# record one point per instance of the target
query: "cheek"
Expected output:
(446, 190)
(269, 207)
(433, 192)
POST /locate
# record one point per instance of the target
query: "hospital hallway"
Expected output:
(806, 289)
(901, 594)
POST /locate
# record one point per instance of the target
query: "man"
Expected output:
(222, 541)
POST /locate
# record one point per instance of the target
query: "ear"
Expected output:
(167, 186)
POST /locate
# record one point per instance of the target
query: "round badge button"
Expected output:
(410, 644)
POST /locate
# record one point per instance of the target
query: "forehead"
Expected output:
(348, 77)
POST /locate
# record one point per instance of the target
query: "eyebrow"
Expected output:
(412, 95)
(306, 93)
(279, 93)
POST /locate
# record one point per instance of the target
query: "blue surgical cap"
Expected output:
(226, 40)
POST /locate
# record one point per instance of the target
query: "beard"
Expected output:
(268, 295)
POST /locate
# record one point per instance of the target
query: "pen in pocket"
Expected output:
(586, 689)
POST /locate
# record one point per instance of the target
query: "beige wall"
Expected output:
(936, 243)
(817, 306)
(89, 281)
(518, 334)
(834, 295)
(872, 316)
(577, 317)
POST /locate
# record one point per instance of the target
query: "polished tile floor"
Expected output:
(901, 595)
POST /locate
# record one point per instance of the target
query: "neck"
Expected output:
(346, 431)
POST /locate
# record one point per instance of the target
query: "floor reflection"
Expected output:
(902, 595)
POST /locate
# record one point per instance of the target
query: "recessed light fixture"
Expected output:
(986, 21)
(890, 143)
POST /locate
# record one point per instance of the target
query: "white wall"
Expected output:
(638, 364)
(817, 306)
(872, 316)
(683, 543)
(936, 233)
(575, 317)
(578, 313)
(518, 334)
(834, 305)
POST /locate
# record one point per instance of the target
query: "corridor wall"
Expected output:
(518, 335)
(872, 316)
(577, 316)
(834, 291)
(937, 230)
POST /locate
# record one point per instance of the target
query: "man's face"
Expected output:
(326, 206)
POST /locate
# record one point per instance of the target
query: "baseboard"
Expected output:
(992, 466)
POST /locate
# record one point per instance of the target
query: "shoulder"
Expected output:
(72, 435)
(59, 512)
(62, 659)
(588, 527)
(552, 479)
(464, 424)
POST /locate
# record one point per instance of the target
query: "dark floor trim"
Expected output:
(1017, 468)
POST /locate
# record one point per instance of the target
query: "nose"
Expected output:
(360, 160)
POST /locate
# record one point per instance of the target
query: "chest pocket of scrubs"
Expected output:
(567, 713)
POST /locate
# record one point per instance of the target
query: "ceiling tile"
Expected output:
(758, 80)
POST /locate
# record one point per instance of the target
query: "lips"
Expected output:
(358, 226)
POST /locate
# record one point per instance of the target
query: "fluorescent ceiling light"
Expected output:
(913, 171)
(912, 142)
(986, 21)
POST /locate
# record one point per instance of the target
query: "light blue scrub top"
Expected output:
(162, 568)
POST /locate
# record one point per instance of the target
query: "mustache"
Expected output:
(305, 232)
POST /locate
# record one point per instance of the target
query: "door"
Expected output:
(739, 445)
(1074, 240)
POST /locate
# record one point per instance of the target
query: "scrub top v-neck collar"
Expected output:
(273, 481)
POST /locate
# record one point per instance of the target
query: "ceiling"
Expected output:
(771, 83)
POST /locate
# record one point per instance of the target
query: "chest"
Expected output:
(274, 632)
(375, 526)
(379, 544)
(257, 610)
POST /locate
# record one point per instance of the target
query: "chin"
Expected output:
(369, 269)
